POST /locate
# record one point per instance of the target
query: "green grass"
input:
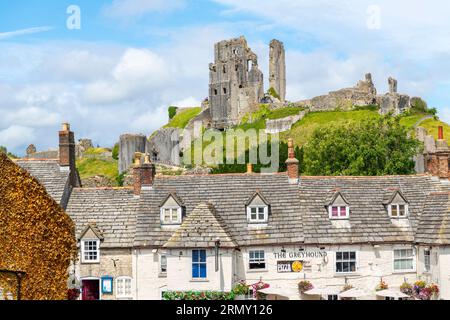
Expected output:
(432, 127)
(283, 113)
(90, 167)
(96, 151)
(303, 129)
(182, 119)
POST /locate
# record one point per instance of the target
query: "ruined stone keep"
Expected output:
(235, 82)
(277, 68)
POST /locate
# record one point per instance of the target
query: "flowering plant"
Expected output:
(305, 285)
(240, 288)
(347, 287)
(258, 286)
(382, 286)
(407, 289)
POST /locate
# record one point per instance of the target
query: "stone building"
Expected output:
(277, 68)
(235, 82)
(181, 233)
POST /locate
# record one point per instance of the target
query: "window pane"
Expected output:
(253, 216)
(195, 270)
(402, 212)
(345, 255)
(334, 211)
(339, 267)
(195, 255)
(261, 209)
(338, 255)
(343, 211)
(253, 210)
(394, 210)
(202, 255)
(203, 270)
(352, 255)
(261, 217)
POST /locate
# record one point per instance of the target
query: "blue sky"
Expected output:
(133, 58)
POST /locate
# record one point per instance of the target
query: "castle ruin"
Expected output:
(277, 68)
(236, 84)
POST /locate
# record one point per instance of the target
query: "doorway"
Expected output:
(90, 289)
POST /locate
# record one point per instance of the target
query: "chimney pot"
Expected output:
(441, 133)
(143, 175)
(137, 158)
(65, 126)
(249, 168)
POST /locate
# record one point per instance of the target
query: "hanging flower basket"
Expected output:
(407, 289)
(304, 286)
(258, 286)
(347, 287)
(382, 286)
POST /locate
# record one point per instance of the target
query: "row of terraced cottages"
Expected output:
(209, 232)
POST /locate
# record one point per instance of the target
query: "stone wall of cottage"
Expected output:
(123, 267)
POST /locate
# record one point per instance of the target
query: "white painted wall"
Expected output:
(372, 265)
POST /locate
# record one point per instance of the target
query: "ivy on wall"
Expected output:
(36, 236)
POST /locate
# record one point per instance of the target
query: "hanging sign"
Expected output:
(289, 266)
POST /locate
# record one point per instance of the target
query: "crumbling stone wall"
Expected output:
(163, 146)
(277, 68)
(284, 124)
(128, 145)
(235, 82)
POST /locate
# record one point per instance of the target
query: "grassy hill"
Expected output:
(183, 117)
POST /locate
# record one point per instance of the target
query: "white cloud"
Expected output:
(15, 136)
(22, 32)
(137, 8)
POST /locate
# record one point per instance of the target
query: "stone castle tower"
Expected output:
(236, 84)
(277, 68)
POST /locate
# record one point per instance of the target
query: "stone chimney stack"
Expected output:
(292, 163)
(143, 174)
(66, 147)
(438, 162)
(67, 154)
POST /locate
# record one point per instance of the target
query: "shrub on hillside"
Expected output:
(172, 112)
(370, 148)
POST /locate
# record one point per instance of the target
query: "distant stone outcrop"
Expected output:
(283, 124)
(128, 145)
(363, 94)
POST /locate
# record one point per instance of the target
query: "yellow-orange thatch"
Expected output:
(36, 236)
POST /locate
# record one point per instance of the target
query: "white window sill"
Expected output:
(404, 271)
(257, 270)
(162, 275)
(199, 280)
(90, 262)
(124, 298)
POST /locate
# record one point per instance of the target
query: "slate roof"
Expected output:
(48, 172)
(112, 210)
(434, 225)
(201, 229)
(228, 194)
(369, 220)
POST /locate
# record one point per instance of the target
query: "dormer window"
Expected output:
(171, 215)
(171, 211)
(398, 210)
(338, 207)
(90, 239)
(257, 209)
(339, 212)
(396, 204)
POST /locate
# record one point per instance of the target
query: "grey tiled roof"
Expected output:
(434, 225)
(228, 194)
(369, 220)
(112, 210)
(200, 229)
(48, 172)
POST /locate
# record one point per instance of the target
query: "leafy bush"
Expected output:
(241, 288)
(369, 148)
(172, 112)
(198, 295)
(418, 105)
(115, 152)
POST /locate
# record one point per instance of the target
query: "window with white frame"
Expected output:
(427, 260)
(404, 259)
(257, 259)
(346, 262)
(163, 264)
(339, 212)
(398, 210)
(123, 288)
(257, 214)
(90, 251)
(171, 215)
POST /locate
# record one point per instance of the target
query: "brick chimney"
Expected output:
(438, 162)
(292, 163)
(67, 154)
(143, 174)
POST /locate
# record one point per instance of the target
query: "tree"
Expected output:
(369, 148)
(172, 112)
